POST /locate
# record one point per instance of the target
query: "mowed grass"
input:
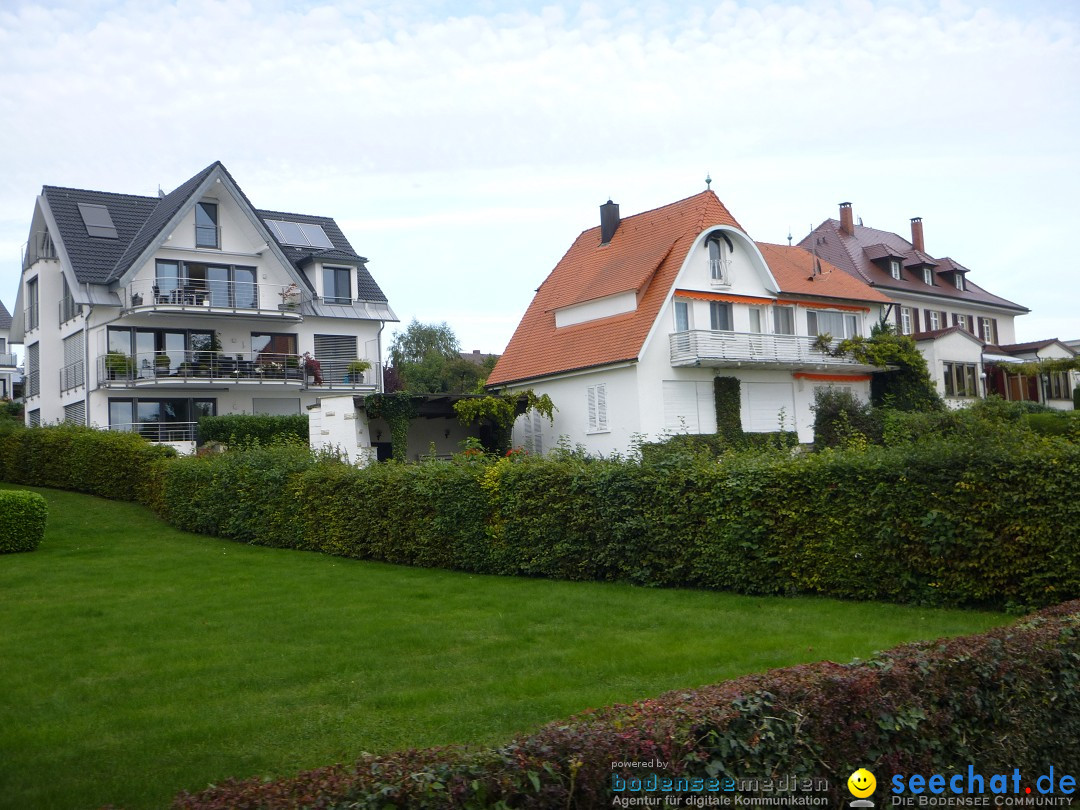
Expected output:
(138, 660)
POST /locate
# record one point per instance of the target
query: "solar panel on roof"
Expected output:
(97, 220)
(299, 234)
(316, 236)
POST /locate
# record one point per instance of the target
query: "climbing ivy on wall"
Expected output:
(500, 411)
(728, 399)
(396, 409)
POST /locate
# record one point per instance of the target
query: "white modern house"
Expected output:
(145, 313)
(628, 332)
(8, 360)
(966, 333)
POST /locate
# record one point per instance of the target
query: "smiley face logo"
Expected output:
(861, 783)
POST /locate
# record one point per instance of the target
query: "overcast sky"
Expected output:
(462, 146)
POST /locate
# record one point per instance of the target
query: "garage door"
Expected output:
(765, 403)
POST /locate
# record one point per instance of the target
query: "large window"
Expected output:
(1059, 386)
(961, 380)
(840, 325)
(933, 319)
(784, 320)
(156, 352)
(905, 320)
(270, 347)
(682, 316)
(206, 225)
(160, 420)
(720, 316)
(337, 287)
(195, 283)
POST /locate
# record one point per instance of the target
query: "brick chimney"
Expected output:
(847, 219)
(916, 234)
(609, 221)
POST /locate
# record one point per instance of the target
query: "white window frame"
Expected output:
(986, 329)
(789, 316)
(935, 319)
(962, 321)
(905, 320)
(894, 268)
(682, 316)
(958, 280)
(814, 316)
(715, 307)
(596, 415)
(928, 276)
(719, 261)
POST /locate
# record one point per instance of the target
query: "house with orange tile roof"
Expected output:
(642, 313)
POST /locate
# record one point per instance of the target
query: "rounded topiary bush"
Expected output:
(22, 520)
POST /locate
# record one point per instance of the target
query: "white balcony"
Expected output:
(275, 301)
(703, 347)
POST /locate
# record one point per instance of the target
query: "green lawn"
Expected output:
(137, 660)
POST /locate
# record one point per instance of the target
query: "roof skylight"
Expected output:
(299, 234)
(97, 220)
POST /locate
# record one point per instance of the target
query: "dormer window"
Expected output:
(894, 268)
(958, 279)
(206, 225)
(928, 276)
(337, 285)
(720, 249)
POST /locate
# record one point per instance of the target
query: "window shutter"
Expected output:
(335, 347)
(591, 407)
(915, 320)
(955, 319)
(537, 433)
(897, 318)
(601, 407)
(993, 329)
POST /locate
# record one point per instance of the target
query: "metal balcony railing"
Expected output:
(69, 309)
(9, 359)
(161, 431)
(707, 347)
(172, 367)
(72, 375)
(217, 297)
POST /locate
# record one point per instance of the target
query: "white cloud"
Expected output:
(497, 133)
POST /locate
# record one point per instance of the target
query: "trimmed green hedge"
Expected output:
(22, 520)
(109, 464)
(947, 522)
(931, 707)
(244, 428)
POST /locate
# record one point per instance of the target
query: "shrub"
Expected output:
(109, 464)
(841, 419)
(244, 428)
(22, 520)
(928, 707)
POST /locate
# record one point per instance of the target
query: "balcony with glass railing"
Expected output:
(178, 368)
(703, 347)
(8, 360)
(212, 297)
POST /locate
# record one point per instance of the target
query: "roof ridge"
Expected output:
(95, 191)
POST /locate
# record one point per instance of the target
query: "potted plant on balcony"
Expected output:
(162, 362)
(119, 366)
(355, 371)
(290, 298)
(292, 367)
(313, 368)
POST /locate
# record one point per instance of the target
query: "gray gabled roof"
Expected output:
(141, 220)
(5, 317)
(93, 258)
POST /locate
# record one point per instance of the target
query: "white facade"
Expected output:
(955, 363)
(189, 329)
(732, 326)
